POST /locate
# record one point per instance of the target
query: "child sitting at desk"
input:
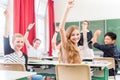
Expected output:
(108, 48)
(33, 50)
(69, 50)
(14, 54)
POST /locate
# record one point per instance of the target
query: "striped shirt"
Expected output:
(11, 56)
(14, 58)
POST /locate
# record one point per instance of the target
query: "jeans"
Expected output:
(37, 77)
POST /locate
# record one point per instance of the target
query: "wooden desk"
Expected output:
(47, 58)
(49, 62)
(42, 62)
(97, 63)
(13, 75)
(100, 68)
(92, 64)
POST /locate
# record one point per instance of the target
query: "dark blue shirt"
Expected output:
(7, 47)
(108, 51)
(106, 48)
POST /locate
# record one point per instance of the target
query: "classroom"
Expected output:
(36, 35)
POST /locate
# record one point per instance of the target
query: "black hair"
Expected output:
(36, 40)
(112, 35)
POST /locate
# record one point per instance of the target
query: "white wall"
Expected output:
(88, 10)
(10, 6)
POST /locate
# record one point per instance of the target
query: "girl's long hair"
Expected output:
(73, 54)
(72, 51)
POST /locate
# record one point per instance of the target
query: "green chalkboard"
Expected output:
(98, 24)
(66, 26)
(95, 25)
(108, 25)
(113, 25)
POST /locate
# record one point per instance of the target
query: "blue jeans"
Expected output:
(37, 77)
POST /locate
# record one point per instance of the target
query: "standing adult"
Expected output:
(84, 43)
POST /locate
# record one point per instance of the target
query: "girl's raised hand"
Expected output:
(70, 3)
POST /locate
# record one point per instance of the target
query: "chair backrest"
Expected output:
(109, 59)
(73, 72)
(12, 66)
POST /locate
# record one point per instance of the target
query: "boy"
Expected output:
(33, 50)
(108, 48)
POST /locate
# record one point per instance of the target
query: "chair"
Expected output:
(12, 66)
(73, 72)
(109, 59)
(105, 75)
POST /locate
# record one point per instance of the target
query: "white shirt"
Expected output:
(32, 52)
(55, 53)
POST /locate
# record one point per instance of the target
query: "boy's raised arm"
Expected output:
(96, 34)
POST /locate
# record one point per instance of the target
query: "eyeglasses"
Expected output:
(85, 23)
